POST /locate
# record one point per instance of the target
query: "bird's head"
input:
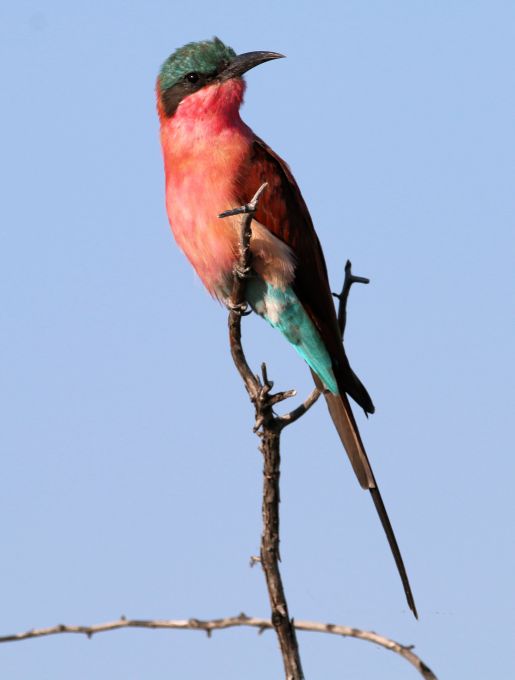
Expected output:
(208, 67)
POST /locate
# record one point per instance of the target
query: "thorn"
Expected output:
(264, 373)
(258, 423)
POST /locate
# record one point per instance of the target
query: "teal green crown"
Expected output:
(202, 57)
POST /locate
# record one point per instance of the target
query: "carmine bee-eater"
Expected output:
(214, 162)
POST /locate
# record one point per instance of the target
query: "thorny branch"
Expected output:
(268, 426)
(228, 622)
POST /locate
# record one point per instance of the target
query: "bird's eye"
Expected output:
(192, 77)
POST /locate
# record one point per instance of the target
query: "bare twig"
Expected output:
(229, 622)
(292, 416)
(348, 280)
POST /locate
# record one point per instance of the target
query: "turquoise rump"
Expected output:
(283, 311)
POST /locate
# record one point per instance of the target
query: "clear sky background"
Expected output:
(130, 477)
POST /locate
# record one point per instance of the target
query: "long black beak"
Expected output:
(244, 62)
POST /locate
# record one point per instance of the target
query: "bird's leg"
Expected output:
(343, 296)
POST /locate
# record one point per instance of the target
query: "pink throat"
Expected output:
(211, 109)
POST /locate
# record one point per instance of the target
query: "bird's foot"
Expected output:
(242, 309)
(242, 272)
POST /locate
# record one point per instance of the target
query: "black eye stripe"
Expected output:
(189, 83)
(194, 77)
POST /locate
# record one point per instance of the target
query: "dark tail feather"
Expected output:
(385, 521)
(343, 419)
(355, 389)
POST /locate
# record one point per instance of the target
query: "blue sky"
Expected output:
(130, 477)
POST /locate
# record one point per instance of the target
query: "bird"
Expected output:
(214, 162)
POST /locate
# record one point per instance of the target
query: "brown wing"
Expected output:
(283, 211)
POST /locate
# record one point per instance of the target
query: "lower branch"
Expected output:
(229, 622)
